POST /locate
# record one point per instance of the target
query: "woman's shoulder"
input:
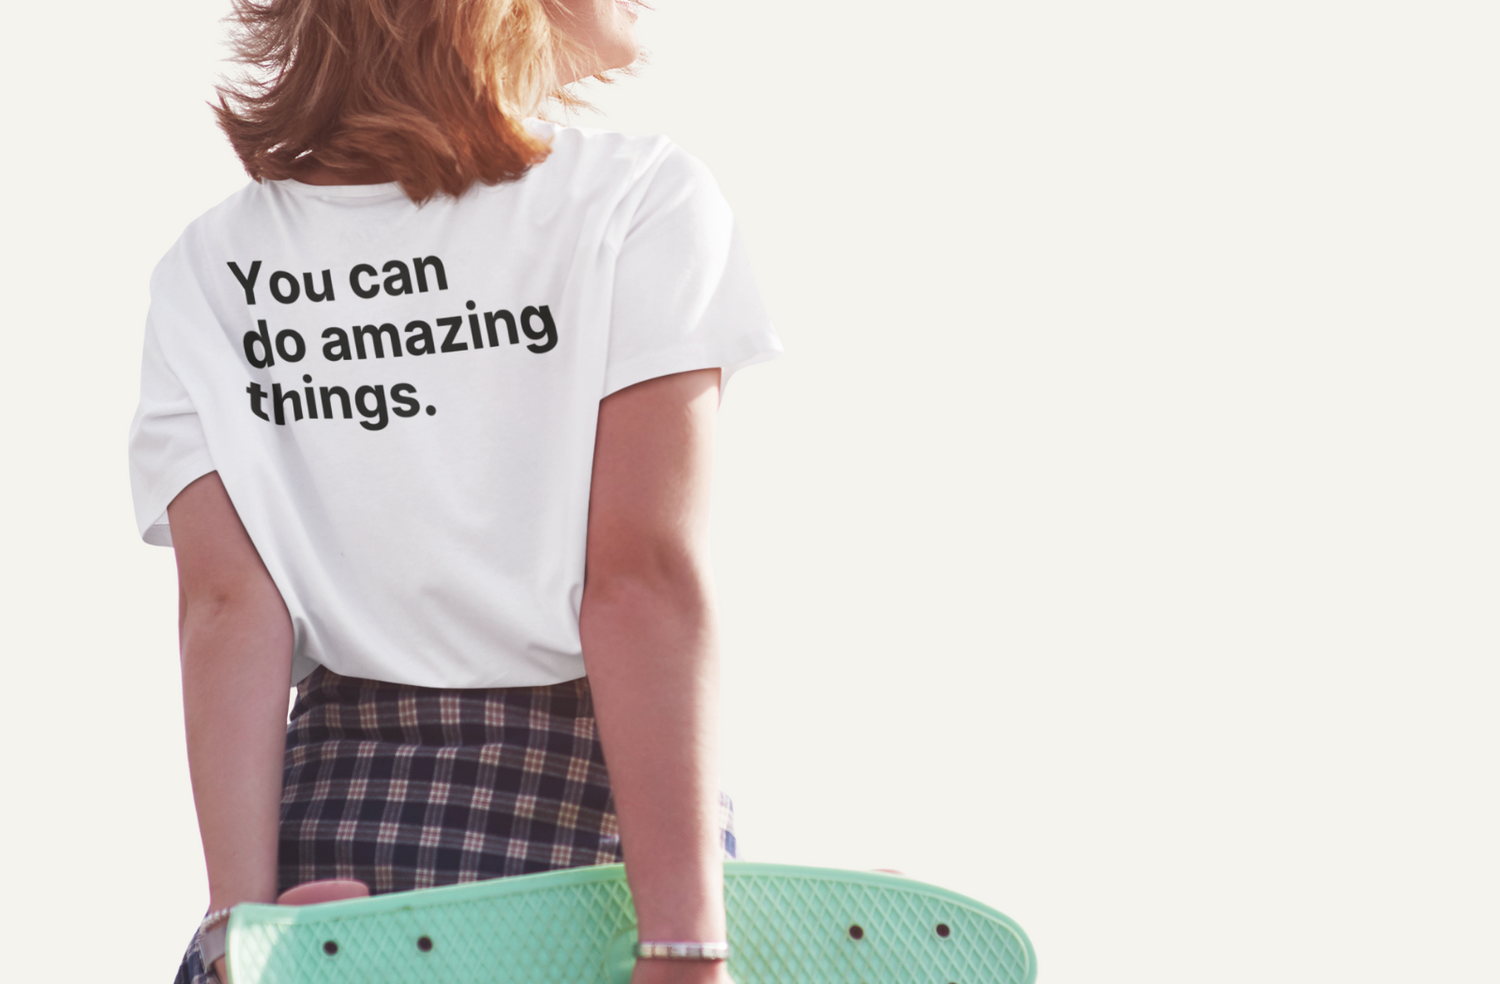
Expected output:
(612, 157)
(203, 232)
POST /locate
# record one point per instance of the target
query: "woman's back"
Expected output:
(401, 400)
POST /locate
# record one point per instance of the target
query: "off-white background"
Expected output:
(1115, 543)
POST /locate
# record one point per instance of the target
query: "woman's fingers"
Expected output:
(324, 890)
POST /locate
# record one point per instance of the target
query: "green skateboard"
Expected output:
(787, 925)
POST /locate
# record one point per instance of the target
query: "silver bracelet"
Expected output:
(681, 951)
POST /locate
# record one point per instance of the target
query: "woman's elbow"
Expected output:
(648, 577)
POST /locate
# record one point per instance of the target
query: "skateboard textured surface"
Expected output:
(787, 925)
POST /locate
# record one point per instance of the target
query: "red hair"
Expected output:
(429, 92)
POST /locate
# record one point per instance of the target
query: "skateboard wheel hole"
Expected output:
(330, 947)
(943, 930)
(856, 932)
(424, 943)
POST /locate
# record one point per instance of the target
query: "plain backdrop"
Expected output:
(1116, 541)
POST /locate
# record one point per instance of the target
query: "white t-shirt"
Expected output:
(401, 401)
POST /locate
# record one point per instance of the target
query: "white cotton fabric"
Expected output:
(441, 549)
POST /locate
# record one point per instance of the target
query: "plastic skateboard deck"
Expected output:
(787, 925)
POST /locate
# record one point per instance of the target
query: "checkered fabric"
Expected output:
(409, 787)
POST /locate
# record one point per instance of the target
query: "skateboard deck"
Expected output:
(787, 925)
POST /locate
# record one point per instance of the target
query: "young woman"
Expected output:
(426, 414)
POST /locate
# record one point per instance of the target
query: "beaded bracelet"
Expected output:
(682, 951)
(217, 916)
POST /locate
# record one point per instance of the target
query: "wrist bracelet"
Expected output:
(214, 918)
(681, 951)
(211, 936)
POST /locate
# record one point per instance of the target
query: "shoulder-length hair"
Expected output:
(430, 92)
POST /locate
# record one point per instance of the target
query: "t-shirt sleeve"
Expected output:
(684, 297)
(167, 446)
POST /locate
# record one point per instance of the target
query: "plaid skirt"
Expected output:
(408, 787)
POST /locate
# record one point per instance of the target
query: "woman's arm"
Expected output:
(649, 647)
(236, 640)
